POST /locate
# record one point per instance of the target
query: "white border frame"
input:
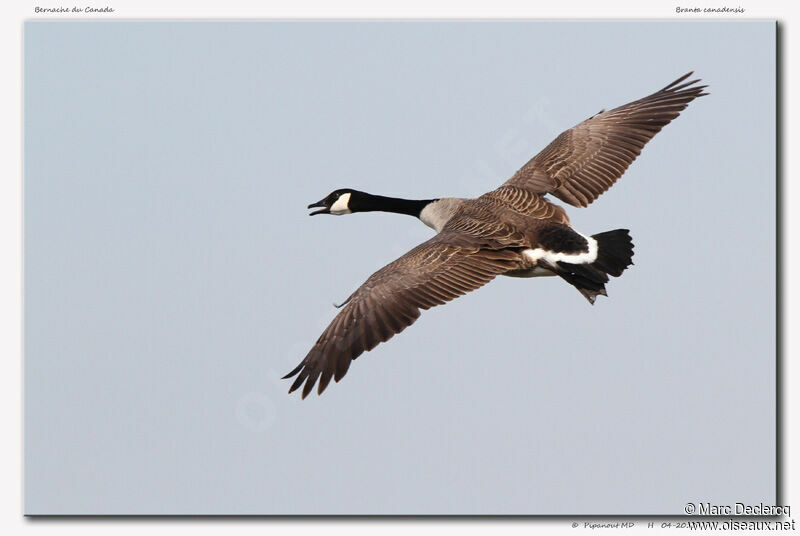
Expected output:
(12, 520)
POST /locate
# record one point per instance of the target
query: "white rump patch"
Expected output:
(341, 206)
(573, 258)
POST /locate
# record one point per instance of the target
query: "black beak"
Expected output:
(325, 209)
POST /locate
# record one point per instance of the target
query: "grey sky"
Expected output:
(172, 274)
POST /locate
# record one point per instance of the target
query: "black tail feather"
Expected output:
(614, 251)
(614, 255)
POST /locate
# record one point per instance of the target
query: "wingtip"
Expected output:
(679, 84)
(686, 87)
(296, 385)
(679, 80)
(303, 394)
(297, 369)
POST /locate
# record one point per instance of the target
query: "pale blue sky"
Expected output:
(172, 274)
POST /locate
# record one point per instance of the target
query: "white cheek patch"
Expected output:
(553, 257)
(341, 205)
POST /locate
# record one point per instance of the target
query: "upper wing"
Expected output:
(584, 161)
(431, 274)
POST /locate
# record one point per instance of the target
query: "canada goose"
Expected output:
(513, 230)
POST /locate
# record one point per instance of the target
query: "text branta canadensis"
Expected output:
(513, 230)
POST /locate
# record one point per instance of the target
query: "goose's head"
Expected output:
(338, 202)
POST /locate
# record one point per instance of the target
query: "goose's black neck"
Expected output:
(369, 203)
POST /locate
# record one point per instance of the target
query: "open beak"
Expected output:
(324, 210)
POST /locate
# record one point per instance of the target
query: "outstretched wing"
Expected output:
(431, 274)
(586, 160)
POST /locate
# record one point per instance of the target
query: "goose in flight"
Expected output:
(513, 230)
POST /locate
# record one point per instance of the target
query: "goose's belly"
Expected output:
(536, 271)
(527, 266)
